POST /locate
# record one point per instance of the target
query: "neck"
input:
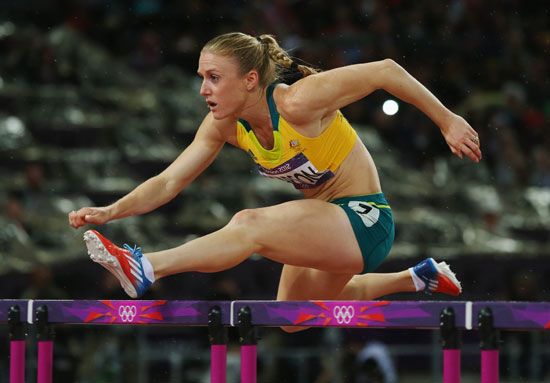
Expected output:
(256, 110)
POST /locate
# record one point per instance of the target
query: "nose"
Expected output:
(204, 91)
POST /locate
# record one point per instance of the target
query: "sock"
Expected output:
(418, 283)
(148, 269)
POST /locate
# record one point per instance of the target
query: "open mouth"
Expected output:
(211, 104)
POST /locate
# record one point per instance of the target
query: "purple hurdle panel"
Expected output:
(14, 313)
(363, 314)
(515, 315)
(132, 312)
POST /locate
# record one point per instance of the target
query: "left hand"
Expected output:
(462, 138)
(89, 215)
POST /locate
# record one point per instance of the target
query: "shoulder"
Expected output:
(221, 130)
(281, 94)
(294, 101)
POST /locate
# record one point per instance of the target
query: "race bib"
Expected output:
(299, 171)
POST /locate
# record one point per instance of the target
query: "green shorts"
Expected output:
(372, 222)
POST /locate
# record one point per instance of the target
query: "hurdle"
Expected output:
(450, 317)
(133, 312)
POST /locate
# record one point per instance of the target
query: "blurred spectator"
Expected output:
(541, 168)
(147, 56)
(36, 197)
(14, 212)
(38, 205)
(16, 246)
(510, 163)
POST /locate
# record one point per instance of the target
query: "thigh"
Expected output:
(307, 233)
(302, 283)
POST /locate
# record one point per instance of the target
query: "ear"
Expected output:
(252, 80)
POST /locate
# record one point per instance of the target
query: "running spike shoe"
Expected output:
(124, 263)
(437, 277)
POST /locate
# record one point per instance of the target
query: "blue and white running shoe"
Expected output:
(437, 277)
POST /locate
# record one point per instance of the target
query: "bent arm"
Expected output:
(319, 95)
(163, 187)
(326, 92)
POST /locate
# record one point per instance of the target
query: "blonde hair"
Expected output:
(262, 53)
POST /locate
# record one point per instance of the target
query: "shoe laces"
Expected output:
(136, 251)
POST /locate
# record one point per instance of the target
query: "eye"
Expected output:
(214, 78)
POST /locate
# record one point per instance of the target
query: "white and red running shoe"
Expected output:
(124, 263)
(437, 277)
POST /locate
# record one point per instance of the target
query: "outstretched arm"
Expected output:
(162, 188)
(319, 95)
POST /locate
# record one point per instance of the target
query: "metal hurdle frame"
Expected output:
(451, 317)
(14, 314)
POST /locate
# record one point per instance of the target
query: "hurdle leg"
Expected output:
(17, 345)
(450, 340)
(217, 335)
(45, 335)
(489, 347)
(248, 341)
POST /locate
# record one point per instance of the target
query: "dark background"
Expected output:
(96, 96)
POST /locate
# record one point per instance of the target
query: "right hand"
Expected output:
(89, 215)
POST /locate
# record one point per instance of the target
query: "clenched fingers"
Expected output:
(77, 218)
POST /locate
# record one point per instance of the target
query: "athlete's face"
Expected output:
(223, 86)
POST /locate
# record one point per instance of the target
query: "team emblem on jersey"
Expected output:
(294, 143)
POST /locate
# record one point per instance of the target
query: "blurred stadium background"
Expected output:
(98, 95)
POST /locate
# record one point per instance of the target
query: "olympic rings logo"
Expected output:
(127, 313)
(343, 314)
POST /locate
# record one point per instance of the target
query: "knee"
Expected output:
(246, 217)
(244, 225)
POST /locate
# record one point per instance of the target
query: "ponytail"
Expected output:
(282, 58)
